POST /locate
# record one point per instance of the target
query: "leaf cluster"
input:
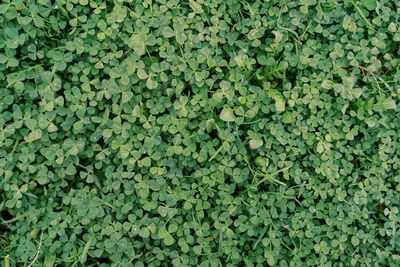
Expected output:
(199, 133)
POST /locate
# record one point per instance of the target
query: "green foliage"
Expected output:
(199, 133)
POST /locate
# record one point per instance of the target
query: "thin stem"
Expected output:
(38, 251)
(22, 71)
(15, 145)
(362, 15)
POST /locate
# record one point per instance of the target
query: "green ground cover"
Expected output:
(199, 133)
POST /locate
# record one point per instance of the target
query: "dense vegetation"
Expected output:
(199, 133)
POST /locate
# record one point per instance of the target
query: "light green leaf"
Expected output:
(197, 250)
(389, 103)
(369, 4)
(320, 147)
(49, 260)
(141, 73)
(279, 104)
(168, 239)
(227, 115)
(71, 170)
(107, 133)
(151, 84)
(254, 144)
(355, 241)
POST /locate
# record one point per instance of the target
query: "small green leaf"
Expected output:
(227, 115)
(163, 211)
(254, 144)
(279, 104)
(197, 250)
(369, 4)
(288, 117)
(146, 162)
(389, 103)
(260, 161)
(151, 84)
(370, 122)
(8, 100)
(320, 147)
(4, 8)
(355, 241)
(107, 133)
(71, 170)
(141, 73)
(49, 260)
(168, 239)
(326, 84)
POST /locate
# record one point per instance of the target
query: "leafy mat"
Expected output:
(199, 133)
